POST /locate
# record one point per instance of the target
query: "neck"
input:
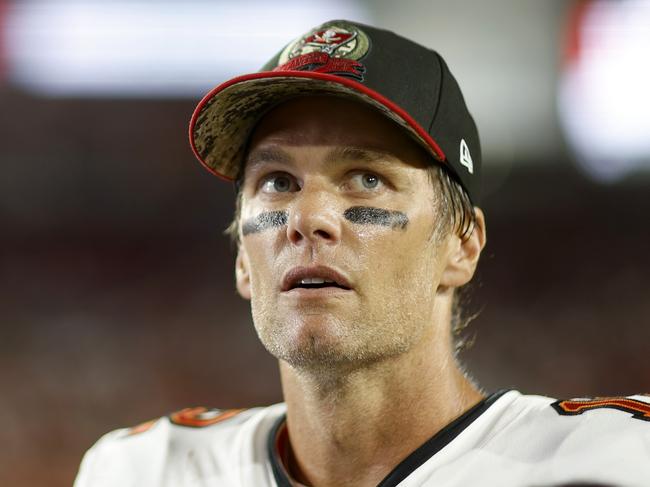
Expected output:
(353, 426)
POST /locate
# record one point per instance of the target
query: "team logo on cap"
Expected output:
(333, 48)
(466, 157)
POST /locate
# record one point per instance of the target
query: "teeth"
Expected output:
(315, 280)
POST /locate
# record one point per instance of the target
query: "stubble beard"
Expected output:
(338, 347)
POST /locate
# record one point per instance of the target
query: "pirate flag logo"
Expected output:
(333, 48)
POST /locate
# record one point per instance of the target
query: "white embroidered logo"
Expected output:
(466, 157)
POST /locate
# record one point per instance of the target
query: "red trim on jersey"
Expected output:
(316, 76)
(142, 427)
(282, 444)
(200, 417)
(638, 409)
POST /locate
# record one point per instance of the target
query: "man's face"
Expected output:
(333, 191)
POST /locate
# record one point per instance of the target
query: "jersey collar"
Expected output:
(278, 441)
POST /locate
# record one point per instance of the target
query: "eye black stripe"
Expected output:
(367, 215)
(264, 221)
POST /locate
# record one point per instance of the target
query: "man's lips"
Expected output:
(310, 277)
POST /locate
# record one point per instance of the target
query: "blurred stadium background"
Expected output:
(117, 301)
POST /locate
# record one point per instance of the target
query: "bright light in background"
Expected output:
(163, 48)
(604, 98)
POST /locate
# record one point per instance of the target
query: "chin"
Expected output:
(307, 342)
(310, 342)
(321, 341)
(326, 355)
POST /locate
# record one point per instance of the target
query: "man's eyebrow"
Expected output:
(359, 154)
(264, 155)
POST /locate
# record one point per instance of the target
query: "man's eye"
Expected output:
(366, 180)
(278, 183)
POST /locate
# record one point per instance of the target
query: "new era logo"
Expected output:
(466, 157)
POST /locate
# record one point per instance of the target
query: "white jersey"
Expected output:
(507, 440)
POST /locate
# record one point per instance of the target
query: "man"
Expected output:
(358, 173)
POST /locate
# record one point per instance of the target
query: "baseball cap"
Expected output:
(407, 82)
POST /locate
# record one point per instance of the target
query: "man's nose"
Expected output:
(314, 218)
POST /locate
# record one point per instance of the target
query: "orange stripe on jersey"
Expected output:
(200, 417)
(142, 427)
(570, 407)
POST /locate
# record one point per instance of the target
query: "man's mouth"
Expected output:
(316, 282)
(314, 277)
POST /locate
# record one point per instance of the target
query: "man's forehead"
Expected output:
(331, 155)
(350, 130)
(327, 120)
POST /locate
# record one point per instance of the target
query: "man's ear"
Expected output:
(242, 274)
(464, 254)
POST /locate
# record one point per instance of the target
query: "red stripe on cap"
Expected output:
(393, 107)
